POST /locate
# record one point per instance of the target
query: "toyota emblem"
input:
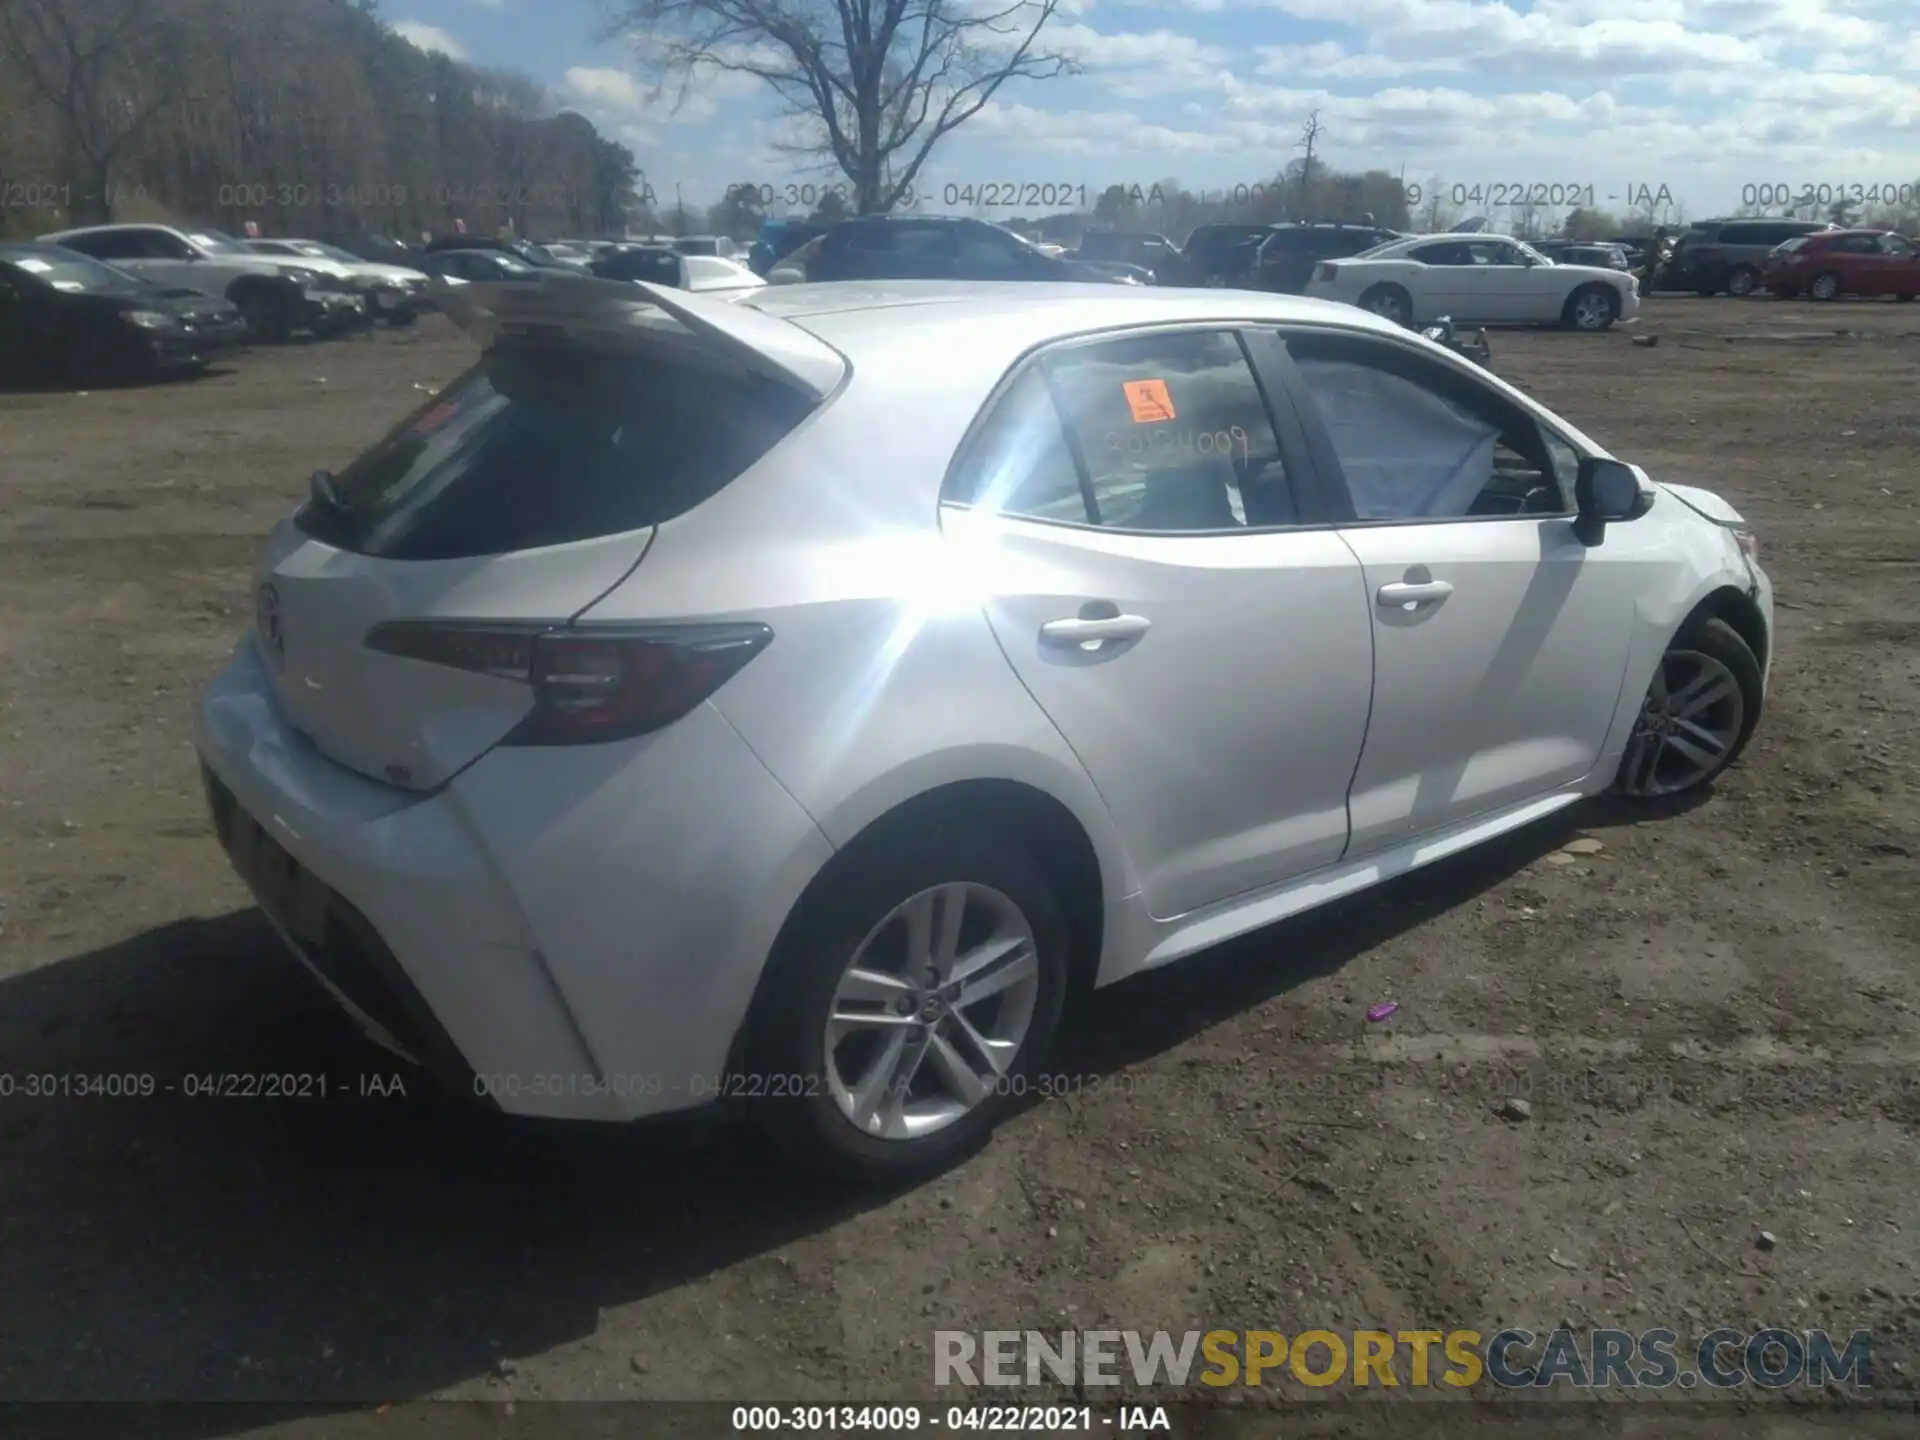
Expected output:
(267, 610)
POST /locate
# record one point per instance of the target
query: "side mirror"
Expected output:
(1608, 492)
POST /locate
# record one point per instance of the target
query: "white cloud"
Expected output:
(429, 37)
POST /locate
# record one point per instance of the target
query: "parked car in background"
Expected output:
(380, 249)
(277, 294)
(576, 253)
(1219, 255)
(1478, 279)
(520, 250)
(927, 247)
(1585, 252)
(1118, 270)
(737, 741)
(653, 265)
(1144, 250)
(467, 266)
(394, 293)
(69, 318)
(1713, 257)
(720, 246)
(1284, 261)
(780, 238)
(1832, 263)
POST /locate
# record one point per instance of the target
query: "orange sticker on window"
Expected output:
(1148, 400)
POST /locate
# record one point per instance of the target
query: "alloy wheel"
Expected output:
(1389, 306)
(1742, 282)
(931, 1012)
(1825, 287)
(1592, 311)
(1687, 727)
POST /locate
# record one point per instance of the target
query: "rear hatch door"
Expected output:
(511, 501)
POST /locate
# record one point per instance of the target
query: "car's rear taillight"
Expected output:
(590, 683)
(1325, 270)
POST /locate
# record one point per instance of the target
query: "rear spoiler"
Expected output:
(627, 314)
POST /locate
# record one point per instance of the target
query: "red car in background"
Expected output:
(1831, 263)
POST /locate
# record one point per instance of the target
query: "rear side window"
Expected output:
(1173, 432)
(1164, 433)
(543, 444)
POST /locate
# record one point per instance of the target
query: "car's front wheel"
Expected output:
(1825, 286)
(1697, 715)
(1592, 308)
(908, 1006)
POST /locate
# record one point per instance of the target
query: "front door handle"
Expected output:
(1397, 595)
(1079, 630)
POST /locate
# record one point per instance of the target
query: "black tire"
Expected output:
(784, 1057)
(1904, 299)
(1581, 313)
(1389, 302)
(1825, 286)
(1717, 640)
(267, 311)
(398, 319)
(1742, 281)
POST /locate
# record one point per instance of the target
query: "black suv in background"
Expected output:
(1219, 254)
(1284, 260)
(1728, 255)
(927, 247)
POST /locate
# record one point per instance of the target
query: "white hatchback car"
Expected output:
(786, 699)
(1476, 279)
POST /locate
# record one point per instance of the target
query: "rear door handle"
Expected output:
(1078, 631)
(1412, 594)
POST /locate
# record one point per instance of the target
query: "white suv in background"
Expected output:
(277, 294)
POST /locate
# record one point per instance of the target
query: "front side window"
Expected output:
(1417, 441)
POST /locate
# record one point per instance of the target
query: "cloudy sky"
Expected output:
(1706, 97)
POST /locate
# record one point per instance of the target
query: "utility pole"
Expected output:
(1308, 138)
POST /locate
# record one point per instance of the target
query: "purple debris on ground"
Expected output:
(1383, 1010)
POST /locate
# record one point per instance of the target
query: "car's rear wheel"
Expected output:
(1742, 280)
(1697, 715)
(1592, 308)
(1389, 302)
(1825, 287)
(908, 1006)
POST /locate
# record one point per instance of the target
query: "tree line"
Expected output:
(309, 117)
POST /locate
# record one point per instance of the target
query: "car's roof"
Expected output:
(30, 248)
(1015, 316)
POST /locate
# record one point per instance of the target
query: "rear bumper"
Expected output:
(573, 933)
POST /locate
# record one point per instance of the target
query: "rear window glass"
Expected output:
(544, 443)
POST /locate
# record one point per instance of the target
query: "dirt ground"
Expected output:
(1715, 1017)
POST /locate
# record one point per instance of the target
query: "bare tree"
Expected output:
(1309, 138)
(878, 83)
(107, 69)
